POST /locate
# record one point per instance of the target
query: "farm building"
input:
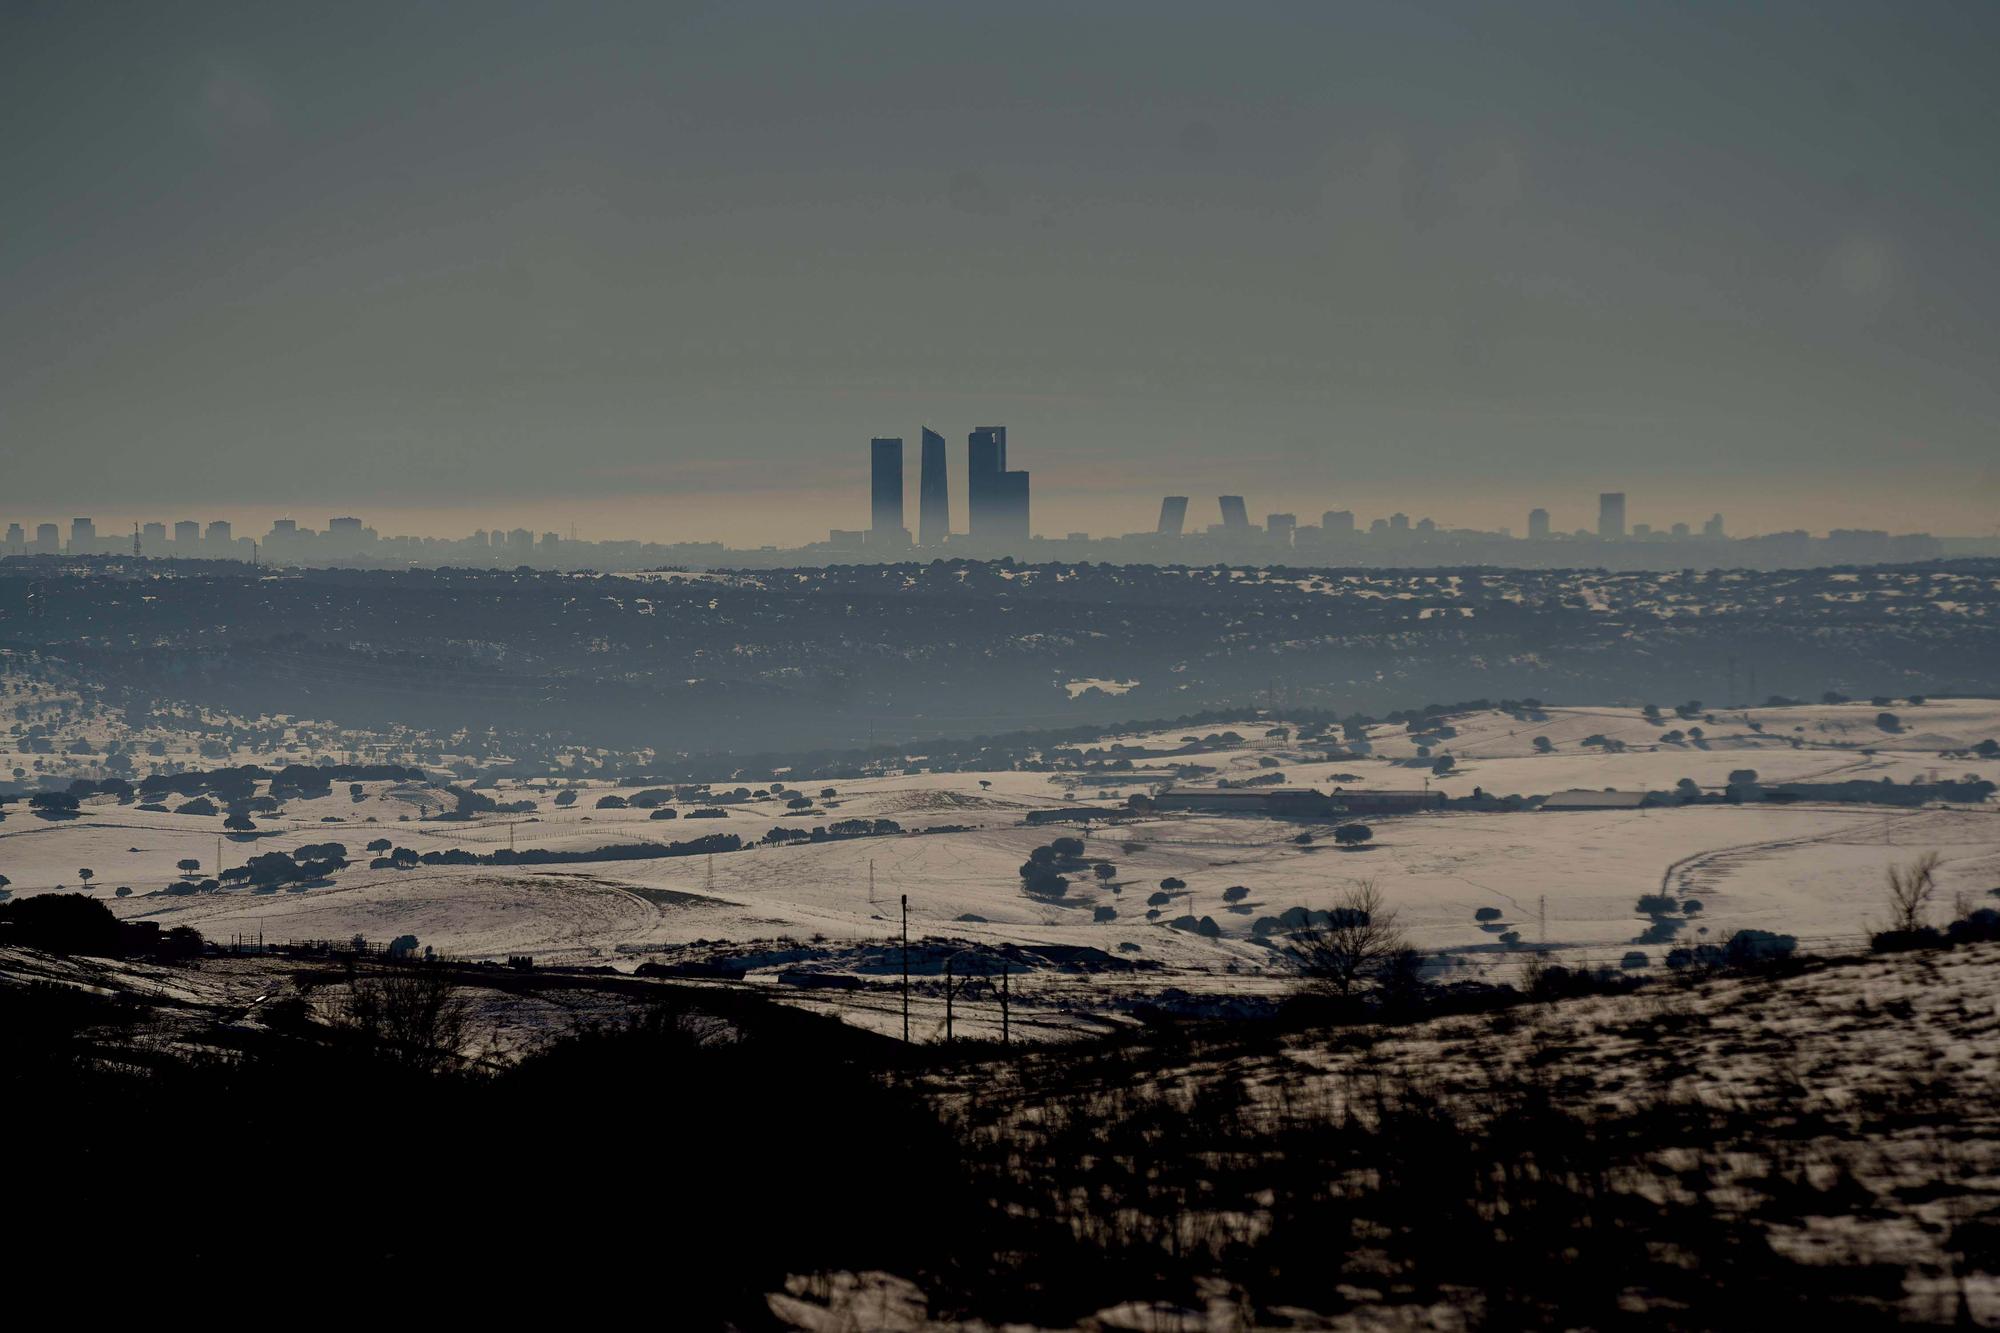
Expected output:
(1584, 799)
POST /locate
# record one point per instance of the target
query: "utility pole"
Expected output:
(1542, 912)
(1005, 1037)
(906, 969)
(135, 541)
(871, 881)
(947, 996)
(218, 856)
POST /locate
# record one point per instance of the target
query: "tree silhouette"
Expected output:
(1359, 939)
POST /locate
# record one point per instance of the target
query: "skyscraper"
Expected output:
(82, 536)
(1611, 515)
(1538, 525)
(1712, 528)
(885, 489)
(1011, 507)
(1280, 527)
(219, 532)
(1173, 515)
(1337, 522)
(1235, 518)
(933, 494)
(985, 460)
(187, 533)
(996, 499)
(48, 538)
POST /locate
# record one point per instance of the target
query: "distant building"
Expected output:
(1399, 522)
(1235, 517)
(1295, 802)
(1712, 528)
(1602, 800)
(1173, 516)
(885, 488)
(187, 532)
(155, 534)
(17, 540)
(842, 539)
(1337, 522)
(1641, 531)
(985, 461)
(933, 492)
(1427, 525)
(82, 536)
(996, 498)
(1012, 507)
(1281, 527)
(1538, 525)
(1611, 515)
(219, 533)
(48, 539)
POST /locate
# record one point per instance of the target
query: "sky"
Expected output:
(661, 270)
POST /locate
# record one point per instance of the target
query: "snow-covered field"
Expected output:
(1567, 881)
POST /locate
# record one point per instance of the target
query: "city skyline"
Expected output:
(1233, 534)
(1061, 505)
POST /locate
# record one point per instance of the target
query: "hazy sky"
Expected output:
(661, 270)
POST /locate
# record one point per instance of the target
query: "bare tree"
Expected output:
(1910, 890)
(1358, 941)
(416, 1016)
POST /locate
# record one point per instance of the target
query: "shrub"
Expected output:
(1758, 946)
(1910, 890)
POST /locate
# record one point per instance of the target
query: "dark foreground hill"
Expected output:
(1820, 1145)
